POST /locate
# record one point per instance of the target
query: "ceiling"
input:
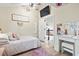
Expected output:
(26, 5)
(18, 4)
(10, 4)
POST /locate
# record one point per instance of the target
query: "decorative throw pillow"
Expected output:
(13, 37)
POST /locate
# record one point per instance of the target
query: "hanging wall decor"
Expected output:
(22, 18)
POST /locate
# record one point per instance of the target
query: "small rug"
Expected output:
(39, 52)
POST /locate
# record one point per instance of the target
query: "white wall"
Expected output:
(7, 25)
(65, 14)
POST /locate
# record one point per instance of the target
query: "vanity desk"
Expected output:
(69, 44)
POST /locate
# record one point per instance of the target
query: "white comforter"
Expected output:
(24, 44)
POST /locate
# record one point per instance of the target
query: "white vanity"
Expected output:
(69, 44)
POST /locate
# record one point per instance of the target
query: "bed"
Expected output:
(25, 43)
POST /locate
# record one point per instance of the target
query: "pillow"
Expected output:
(3, 41)
(5, 36)
(13, 37)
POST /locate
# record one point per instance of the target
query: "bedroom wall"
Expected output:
(7, 25)
(65, 14)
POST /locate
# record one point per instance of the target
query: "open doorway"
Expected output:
(46, 25)
(49, 37)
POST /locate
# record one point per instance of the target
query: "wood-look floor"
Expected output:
(48, 48)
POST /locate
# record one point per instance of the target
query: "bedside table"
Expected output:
(1, 51)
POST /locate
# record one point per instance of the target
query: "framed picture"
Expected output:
(17, 17)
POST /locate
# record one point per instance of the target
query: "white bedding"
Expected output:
(25, 43)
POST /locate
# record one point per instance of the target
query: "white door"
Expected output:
(42, 29)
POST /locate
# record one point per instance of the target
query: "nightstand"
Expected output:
(1, 51)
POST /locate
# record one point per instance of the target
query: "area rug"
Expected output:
(40, 52)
